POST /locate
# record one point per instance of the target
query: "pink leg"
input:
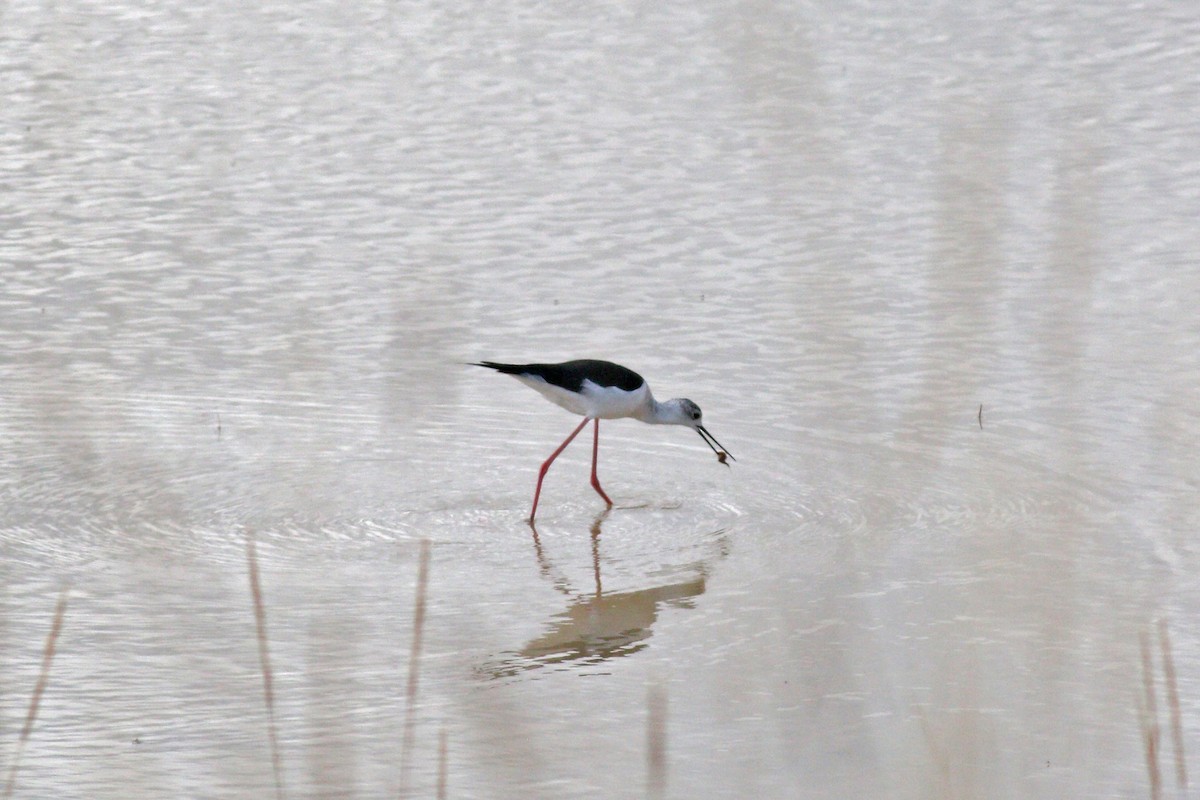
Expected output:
(596, 452)
(546, 467)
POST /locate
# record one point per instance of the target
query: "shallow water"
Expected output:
(928, 272)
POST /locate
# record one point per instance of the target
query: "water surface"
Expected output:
(929, 272)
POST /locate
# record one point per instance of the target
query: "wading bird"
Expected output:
(602, 390)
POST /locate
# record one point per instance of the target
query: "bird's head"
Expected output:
(682, 411)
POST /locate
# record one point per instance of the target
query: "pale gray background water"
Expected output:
(245, 251)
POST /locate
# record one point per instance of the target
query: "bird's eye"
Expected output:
(695, 415)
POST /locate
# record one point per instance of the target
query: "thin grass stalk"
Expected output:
(264, 659)
(656, 741)
(1168, 664)
(1148, 716)
(442, 761)
(414, 668)
(38, 690)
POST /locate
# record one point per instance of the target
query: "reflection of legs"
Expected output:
(596, 452)
(596, 548)
(546, 466)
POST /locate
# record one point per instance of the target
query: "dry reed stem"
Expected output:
(441, 783)
(1148, 717)
(264, 658)
(656, 741)
(937, 754)
(1168, 665)
(39, 688)
(414, 656)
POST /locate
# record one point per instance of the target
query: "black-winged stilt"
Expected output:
(602, 390)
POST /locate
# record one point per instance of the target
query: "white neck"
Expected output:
(656, 413)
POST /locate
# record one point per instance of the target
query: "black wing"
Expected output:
(570, 375)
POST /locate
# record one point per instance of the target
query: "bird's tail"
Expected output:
(507, 369)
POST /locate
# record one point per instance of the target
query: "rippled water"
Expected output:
(929, 272)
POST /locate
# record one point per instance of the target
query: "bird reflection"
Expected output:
(597, 626)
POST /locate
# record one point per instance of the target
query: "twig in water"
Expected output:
(38, 689)
(264, 658)
(410, 692)
(981, 416)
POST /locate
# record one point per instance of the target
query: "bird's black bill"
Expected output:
(712, 442)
